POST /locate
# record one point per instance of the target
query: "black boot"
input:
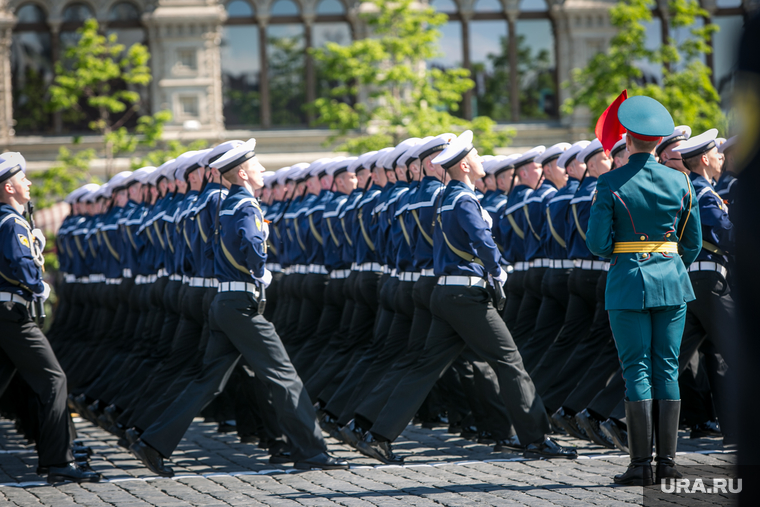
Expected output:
(638, 417)
(665, 420)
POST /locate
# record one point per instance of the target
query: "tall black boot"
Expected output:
(638, 417)
(665, 417)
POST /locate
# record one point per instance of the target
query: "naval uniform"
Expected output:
(712, 315)
(24, 348)
(512, 230)
(463, 315)
(554, 286)
(236, 329)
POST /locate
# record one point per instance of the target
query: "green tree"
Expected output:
(102, 74)
(71, 170)
(384, 89)
(685, 88)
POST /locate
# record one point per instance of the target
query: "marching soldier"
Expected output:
(24, 348)
(465, 257)
(646, 221)
(712, 315)
(238, 328)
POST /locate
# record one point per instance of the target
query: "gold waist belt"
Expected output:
(645, 247)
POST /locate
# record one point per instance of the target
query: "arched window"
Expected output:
(331, 7)
(241, 66)
(489, 47)
(505, 89)
(533, 6)
(488, 6)
(285, 8)
(124, 21)
(74, 15)
(331, 25)
(239, 9)
(286, 64)
(31, 70)
(536, 69)
(451, 39)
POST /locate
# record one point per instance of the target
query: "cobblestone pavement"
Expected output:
(215, 469)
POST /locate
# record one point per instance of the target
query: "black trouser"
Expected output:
(515, 293)
(529, 306)
(237, 329)
(180, 366)
(386, 288)
(329, 323)
(293, 284)
(312, 303)
(359, 336)
(575, 348)
(170, 303)
(551, 316)
(352, 391)
(25, 349)
(372, 404)
(592, 364)
(334, 324)
(712, 316)
(465, 316)
(273, 296)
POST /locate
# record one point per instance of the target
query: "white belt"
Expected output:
(7, 296)
(541, 263)
(97, 278)
(370, 266)
(521, 265)
(561, 264)
(427, 272)
(185, 279)
(591, 265)
(466, 281)
(126, 273)
(317, 269)
(394, 273)
(84, 279)
(339, 274)
(175, 278)
(709, 266)
(274, 267)
(113, 281)
(239, 287)
(354, 266)
(301, 269)
(69, 278)
(386, 270)
(162, 273)
(210, 282)
(508, 269)
(196, 281)
(409, 276)
(140, 280)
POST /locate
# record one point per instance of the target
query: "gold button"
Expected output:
(642, 238)
(668, 235)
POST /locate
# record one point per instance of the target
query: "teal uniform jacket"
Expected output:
(645, 202)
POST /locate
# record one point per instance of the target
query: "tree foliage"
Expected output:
(104, 75)
(71, 170)
(684, 88)
(384, 89)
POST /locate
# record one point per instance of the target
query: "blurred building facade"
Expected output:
(240, 68)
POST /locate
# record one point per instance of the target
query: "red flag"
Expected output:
(608, 128)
